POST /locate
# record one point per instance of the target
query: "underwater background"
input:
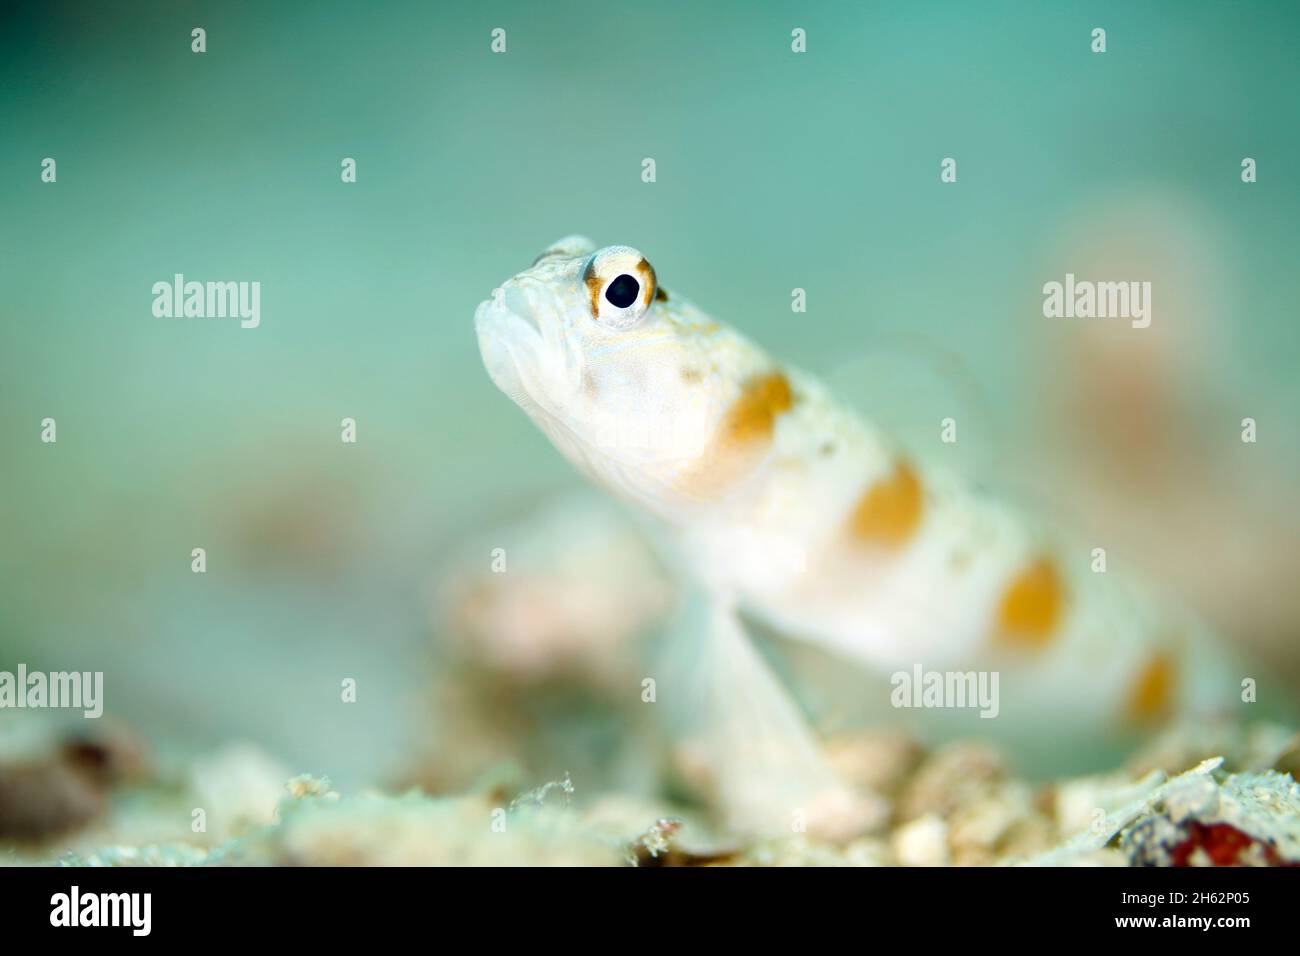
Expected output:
(775, 171)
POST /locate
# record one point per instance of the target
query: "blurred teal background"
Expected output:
(775, 171)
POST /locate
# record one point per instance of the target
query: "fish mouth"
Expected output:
(512, 342)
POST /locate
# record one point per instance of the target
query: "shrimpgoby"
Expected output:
(778, 504)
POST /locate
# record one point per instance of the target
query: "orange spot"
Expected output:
(1031, 606)
(753, 416)
(594, 285)
(889, 511)
(1153, 691)
(743, 436)
(649, 281)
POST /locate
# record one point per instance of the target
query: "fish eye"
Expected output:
(620, 285)
(623, 291)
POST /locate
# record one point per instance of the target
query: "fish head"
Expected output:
(620, 379)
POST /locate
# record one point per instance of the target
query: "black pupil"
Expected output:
(623, 291)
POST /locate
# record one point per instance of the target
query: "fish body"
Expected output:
(782, 505)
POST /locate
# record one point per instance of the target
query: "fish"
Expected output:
(779, 507)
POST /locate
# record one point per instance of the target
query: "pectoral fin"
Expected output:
(743, 737)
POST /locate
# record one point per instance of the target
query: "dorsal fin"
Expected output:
(907, 385)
